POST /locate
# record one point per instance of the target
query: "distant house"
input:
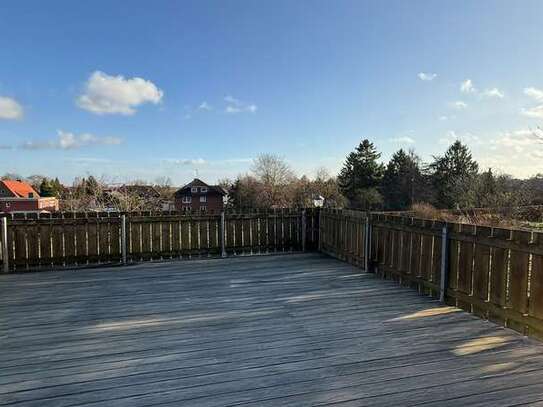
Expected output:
(18, 196)
(197, 196)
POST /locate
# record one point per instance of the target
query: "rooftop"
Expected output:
(289, 330)
(20, 189)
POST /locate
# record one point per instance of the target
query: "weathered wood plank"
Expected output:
(268, 330)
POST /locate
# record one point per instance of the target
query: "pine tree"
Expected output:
(361, 175)
(46, 188)
(403, 181)
(451, 172)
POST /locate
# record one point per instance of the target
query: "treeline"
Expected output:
(271, 183)
(453, 180)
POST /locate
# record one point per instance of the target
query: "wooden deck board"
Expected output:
(293, 330)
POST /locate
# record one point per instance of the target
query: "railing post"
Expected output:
(320, 230)
(123, 238)
(367, 244)
(444, 263)
(5, 252)
(304, 227)
(223, 234)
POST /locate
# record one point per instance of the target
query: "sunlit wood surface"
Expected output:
(292, 330)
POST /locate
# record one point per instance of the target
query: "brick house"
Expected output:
(18, 196)
(197, 196)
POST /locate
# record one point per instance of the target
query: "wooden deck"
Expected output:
(293, 330)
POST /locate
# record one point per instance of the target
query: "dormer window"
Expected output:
(187, 199)
(31, 194)
(194, 190)
(203, 189)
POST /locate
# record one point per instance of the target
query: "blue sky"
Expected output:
(147, 89)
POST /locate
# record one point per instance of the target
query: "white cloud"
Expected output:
(443, 118)
(237, 106)
(402, 140)
(516, 152)
(535, 111)
(105, 94)
(204, 106)
(493, 93)
(467, 87)
(187, 161)
(534, 93)
(426, 76)
(467, 138)
(460, 105)
(70, 141)
(517, 140)
(10, 109)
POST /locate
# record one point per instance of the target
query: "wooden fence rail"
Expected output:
(82, 239)
(494, 273)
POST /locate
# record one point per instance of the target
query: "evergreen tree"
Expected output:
(361, 175)
(46, 188)
(403, 181)
(451, 172)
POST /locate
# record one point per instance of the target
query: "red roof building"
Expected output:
(19, 196)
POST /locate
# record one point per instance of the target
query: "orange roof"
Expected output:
(20, 189)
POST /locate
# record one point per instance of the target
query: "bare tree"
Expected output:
(270, 169)
(274, 174)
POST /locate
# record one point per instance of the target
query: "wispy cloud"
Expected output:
(493, 93)
(188, 161)
(10, 109)
(467, 138)
(459, 104)
(467, 87)
(105, 94)
(70, 141)
(237, 106)
(202, 162)
(402, 140)
(423, 76)
(537, 96)
(518, 140)
(205, 106)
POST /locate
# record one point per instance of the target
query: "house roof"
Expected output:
(196, 182)
(20, 189)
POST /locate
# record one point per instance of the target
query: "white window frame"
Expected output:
(203, 208)
(203, 198)
(8, 205)
(203, 189)
(193, 189)
(186, 199)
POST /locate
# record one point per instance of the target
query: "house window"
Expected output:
(187, 199)
(203, 208)
(194, 189)
(203, 198)
(8, 204)
(203, 189)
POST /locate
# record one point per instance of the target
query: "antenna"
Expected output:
(196, 173)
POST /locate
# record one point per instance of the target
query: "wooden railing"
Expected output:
(81, 239)
(343, 235)
(494, 273)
